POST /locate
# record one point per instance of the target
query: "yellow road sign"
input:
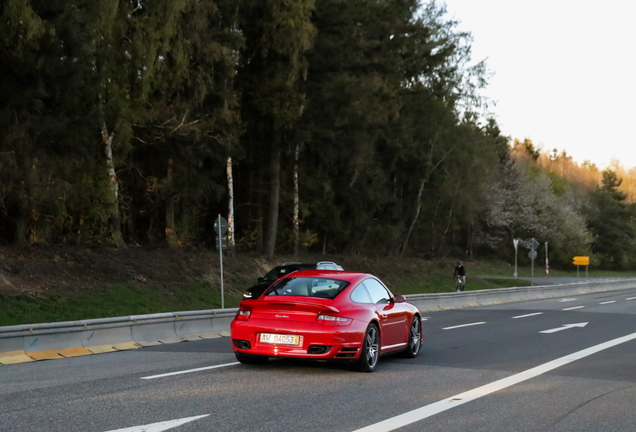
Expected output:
(581, 260)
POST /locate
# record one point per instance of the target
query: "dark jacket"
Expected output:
(460, 270)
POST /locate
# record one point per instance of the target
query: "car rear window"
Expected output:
(308, 287)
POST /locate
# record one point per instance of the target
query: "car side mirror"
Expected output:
(260, 280)
(399, 299)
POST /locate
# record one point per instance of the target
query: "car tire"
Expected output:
(250, 359)
(370, 353)
(414, 342)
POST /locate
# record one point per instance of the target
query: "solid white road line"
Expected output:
(161, 426)
(575, 307)
(190, 371)
(608, 302)
(528, 315)
(464, 325)
(460, 399)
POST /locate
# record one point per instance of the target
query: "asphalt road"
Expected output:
(563, 365)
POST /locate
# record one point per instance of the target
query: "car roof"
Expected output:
(312, 265)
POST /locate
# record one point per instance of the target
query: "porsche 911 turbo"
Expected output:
(326, 315)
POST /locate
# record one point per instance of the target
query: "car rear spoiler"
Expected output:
(307, 305)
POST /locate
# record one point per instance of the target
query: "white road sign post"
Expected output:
(220, 228)
(533, 254)
(547, 264)
(516, 243)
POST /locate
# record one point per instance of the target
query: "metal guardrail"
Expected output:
(451, 300)
(23, 343)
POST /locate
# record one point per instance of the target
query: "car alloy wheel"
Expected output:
(370, 350)
(415, 338)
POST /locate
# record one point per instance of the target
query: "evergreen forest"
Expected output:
(335, 126)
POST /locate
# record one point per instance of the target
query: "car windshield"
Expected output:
(319, 287)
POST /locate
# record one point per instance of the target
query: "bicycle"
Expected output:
(459, 285)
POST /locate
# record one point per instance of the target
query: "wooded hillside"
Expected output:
(341, 126)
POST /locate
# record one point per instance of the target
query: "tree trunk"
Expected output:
(115, 219)
(21, 220)
(274, 199)
(130, 222)
(324, 244)
(430, 168)
(417, 214)
(296, 203)
(230, 210)
(171, 236)
(260, 185)
(24, 193)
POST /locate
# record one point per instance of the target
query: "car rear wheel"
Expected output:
(250, 359)
(370, 350)
(415, 338)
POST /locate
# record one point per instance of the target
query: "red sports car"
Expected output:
(326, 315)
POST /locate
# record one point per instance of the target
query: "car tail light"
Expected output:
(330, 320)
(243, 315)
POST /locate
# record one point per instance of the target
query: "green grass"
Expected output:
(402, 277)
(111, 301)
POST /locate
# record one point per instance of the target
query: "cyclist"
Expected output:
(460, 274)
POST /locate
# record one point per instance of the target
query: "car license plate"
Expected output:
(280, 339)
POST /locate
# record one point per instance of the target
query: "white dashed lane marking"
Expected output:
(189, 371)
(528, 315)
(575, 307)
(464, 325)
(161, 426)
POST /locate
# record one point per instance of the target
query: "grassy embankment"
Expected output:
(104, 299)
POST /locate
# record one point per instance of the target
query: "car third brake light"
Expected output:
(330, 320)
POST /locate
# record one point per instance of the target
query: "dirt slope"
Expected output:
(38, 270)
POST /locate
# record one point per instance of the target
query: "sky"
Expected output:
(564, 72)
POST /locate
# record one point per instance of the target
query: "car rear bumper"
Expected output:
(316, 341)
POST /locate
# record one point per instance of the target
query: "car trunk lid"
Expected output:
(298, 309)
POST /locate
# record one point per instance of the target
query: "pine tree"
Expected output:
(191, 123)
(278, 33)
